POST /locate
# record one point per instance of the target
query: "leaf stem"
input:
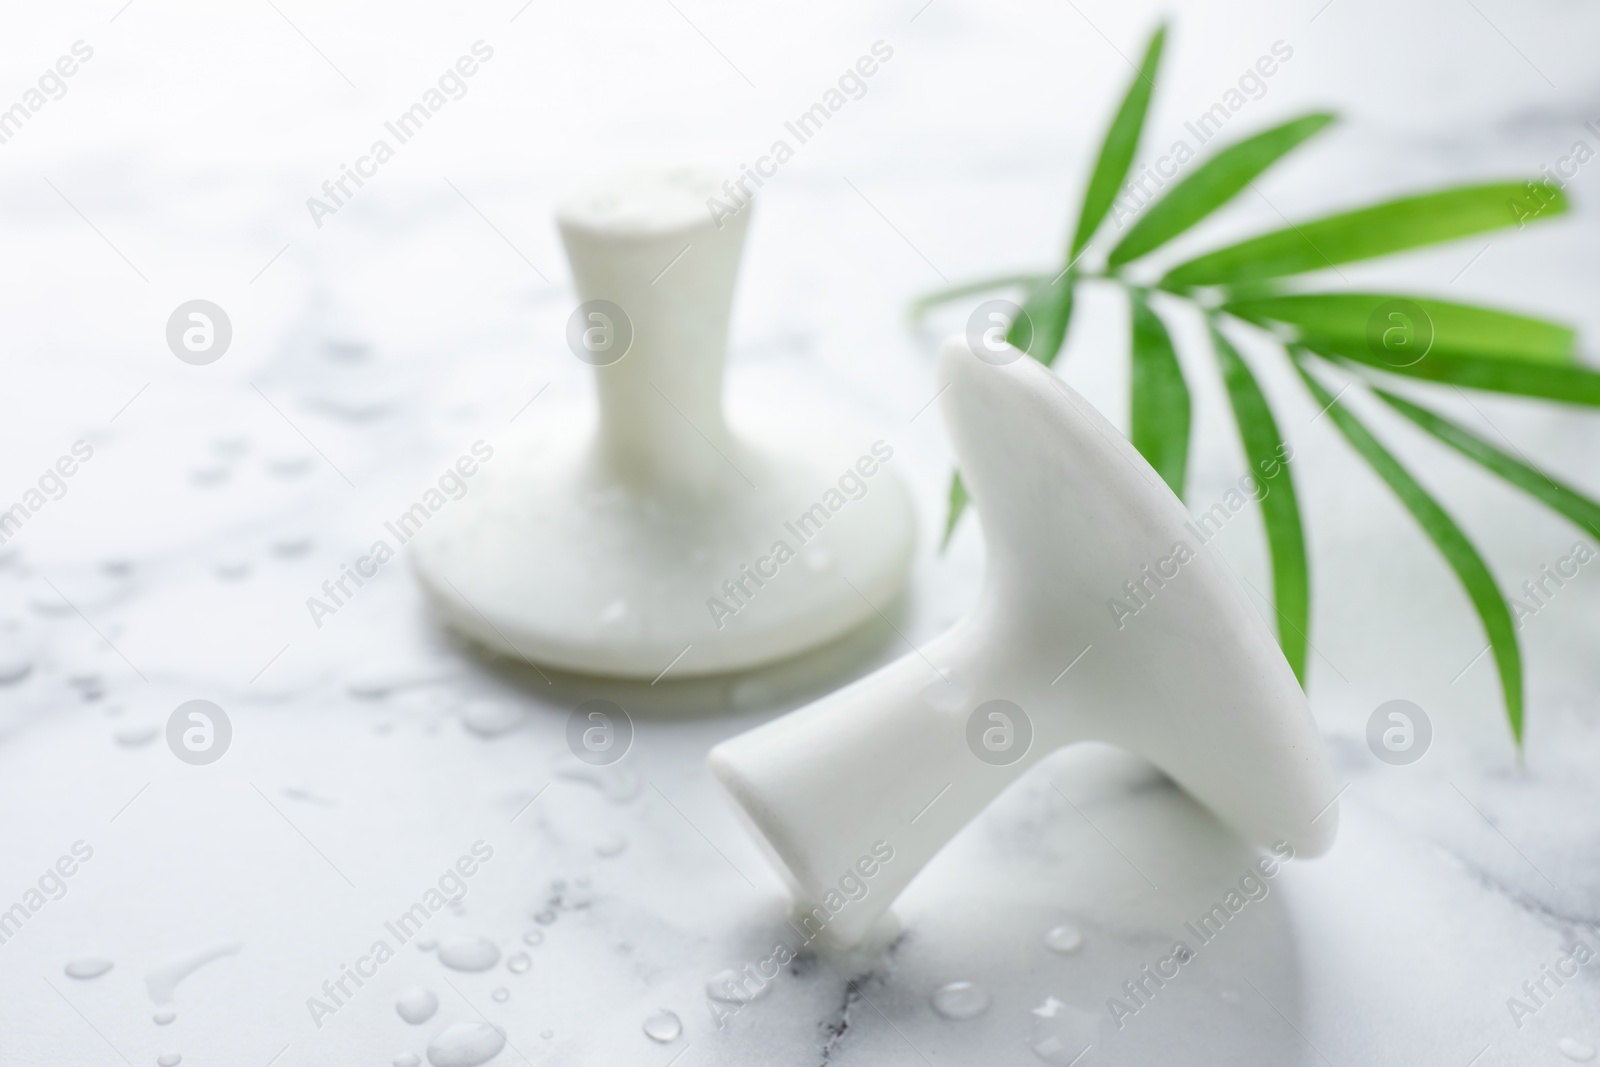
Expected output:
(922, 305)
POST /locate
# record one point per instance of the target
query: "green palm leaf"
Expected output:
(1560, 497)
(1424, 339)
(1117, 151)
(1395, 226)
(1400, 328)
(958, 504)
(1049, 311)
(1217, 181)
(1446, 536)
(1568, 384)
(1267, 454)
(1158, 424)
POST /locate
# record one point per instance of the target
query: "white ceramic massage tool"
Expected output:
(901, 760)
(657, 535)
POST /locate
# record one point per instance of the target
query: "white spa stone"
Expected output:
(602, 546)
(1195, 683)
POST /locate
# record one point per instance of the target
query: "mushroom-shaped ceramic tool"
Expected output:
(655, 534)
(1103, 616)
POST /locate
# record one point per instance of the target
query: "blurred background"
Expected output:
(370, 347)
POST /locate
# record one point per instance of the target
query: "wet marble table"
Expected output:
(384, 785)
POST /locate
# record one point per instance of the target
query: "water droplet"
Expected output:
(752, 693)
(469, 953)
(619, 783)
(135, 736)
(519, 963)
(169, 1059)
(466, 1045)
(1574, 1049)
(944, 696)
(533, 937)
(289, 547)
(663, 1026)
(163, 980)
(491, 718)
(345, 350)
(547, 1034)
(427, 944)
(289, 466)
(817, 560)
(233, 570)
(545, 917)
(89, 685)
(619, 619)
(88, 967)
(960, 1000)
(163, 1016)
(408, 1059)
(206, 477)
(611, 846)
(1061, 1031)
(731, 987)
(502, 994)
(1064, 938)
(15, 665)
(354, 399)
(49, 604)
(417, 1005)
(383, 682)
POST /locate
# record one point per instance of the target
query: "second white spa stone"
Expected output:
(660, 532)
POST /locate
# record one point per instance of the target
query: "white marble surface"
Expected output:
(408, 326)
